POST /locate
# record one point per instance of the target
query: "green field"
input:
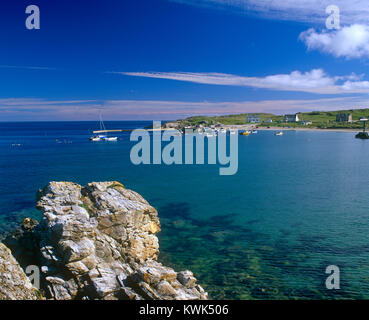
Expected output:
(319, 119)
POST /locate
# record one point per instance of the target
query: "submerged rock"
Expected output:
(99, 242)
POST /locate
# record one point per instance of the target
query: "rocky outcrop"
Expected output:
(99, 242)
(14, 284)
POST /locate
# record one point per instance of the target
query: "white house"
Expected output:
(291, 118)
(306, 122)
(252, 119)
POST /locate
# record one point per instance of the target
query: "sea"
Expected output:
(298, 204)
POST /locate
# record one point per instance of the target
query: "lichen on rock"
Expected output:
(99, 242)
(14, 284)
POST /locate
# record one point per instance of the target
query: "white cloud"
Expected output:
(351, 41)
(348, 42)
(350, 85)
(314, 81)
(310, 11)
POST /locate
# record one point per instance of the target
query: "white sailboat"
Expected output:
(101, 137)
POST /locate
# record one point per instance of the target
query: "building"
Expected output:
(344, 117)
(252, 119)
(269, 120)
(291, 118)
(171, 125)
(306, 122)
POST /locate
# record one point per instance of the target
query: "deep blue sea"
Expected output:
(299, 203)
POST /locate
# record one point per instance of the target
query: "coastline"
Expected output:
(271, 128)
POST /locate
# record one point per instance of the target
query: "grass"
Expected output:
(86, 207)
(319, 119)
(115, 185)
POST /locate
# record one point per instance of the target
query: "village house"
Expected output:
(291, 118)
(306, 122)
(252, 119)
(344, 117)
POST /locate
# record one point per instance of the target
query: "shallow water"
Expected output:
(298, 203)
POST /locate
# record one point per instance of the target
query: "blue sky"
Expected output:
(167, 59)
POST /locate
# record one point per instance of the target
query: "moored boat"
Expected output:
(102, 137)
(97, 138)
(110, 138)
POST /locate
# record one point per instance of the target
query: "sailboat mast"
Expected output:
(102, 126)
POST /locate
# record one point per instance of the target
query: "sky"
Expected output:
(169, 59)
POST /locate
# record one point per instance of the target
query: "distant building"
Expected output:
(171, 125)
(344, 117)
(291, 118)
(306, 122)
(269, 120)
(252, 119)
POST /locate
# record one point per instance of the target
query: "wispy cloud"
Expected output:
(27, 67)
(310, 11)
(17, 109)
(314, 81)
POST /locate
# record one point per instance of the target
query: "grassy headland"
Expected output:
(319, 119)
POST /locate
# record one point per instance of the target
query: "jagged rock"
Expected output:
(14, 284)
(187, 279)
(99, 242)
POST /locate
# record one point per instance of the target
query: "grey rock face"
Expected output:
(14, 284)
(99, 242)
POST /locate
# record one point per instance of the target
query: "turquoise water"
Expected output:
(298, 203)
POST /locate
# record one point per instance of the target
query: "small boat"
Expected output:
(210, 133)
(232, 132)
(245, 133)
(102, 137)
(279, 133)
(110, 138)
(97, 138)
(254, 131)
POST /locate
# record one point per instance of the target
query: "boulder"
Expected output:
(99, 242)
